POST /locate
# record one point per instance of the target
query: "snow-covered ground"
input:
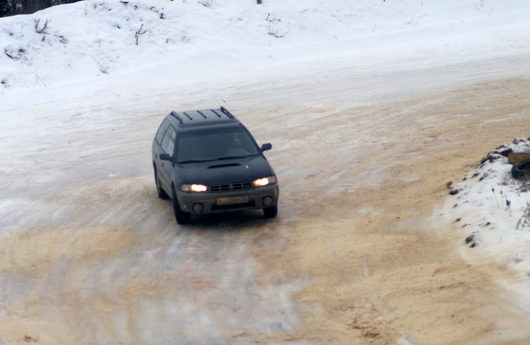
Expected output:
(83, 87)
(493, 209)
(190, 41)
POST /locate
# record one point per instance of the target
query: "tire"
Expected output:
(521, 170)
(270, 212)
(159, 190)
(182, 217)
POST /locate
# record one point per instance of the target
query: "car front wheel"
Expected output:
(181, 216)
(270, 212)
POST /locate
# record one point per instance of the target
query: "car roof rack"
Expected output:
(192, 118)
(227, 112)
(216, 113)
(176, 116)
(202, 114)
(187, 115)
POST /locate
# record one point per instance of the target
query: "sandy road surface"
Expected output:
(358, 255)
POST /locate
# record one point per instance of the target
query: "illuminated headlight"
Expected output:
(265, 181)
(197, 188)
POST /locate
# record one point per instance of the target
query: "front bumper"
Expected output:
(210, 204)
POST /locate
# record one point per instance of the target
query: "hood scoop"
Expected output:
(224, 165)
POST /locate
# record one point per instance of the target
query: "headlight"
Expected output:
(198, 188)
(265, 181)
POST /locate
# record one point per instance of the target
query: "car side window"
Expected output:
(162, 131)
(168, 142)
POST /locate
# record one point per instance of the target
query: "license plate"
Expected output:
(232, 200)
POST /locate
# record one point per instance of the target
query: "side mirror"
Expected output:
(266, 147)
(165, 157)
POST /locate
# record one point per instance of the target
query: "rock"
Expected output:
(519, 257)
(506, 152)
(472, 241)
(492, 159)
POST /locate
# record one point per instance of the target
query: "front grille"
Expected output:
(232, 187)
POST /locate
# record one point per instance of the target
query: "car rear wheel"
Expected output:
(159, 190)
(181, 216)
(270, 212)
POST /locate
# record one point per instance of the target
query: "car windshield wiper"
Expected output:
(195, 161)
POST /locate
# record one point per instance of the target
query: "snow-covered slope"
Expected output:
(198, 39)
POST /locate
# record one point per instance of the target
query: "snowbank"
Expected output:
(493, 209)
(201, 39)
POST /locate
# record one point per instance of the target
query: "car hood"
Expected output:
(225, 171)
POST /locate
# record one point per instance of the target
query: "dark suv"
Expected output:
(208, 162)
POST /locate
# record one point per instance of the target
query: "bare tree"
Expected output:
(41, 29)
(139, 32)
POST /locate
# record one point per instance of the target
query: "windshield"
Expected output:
(206, 145)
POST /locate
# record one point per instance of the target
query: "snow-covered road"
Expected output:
(89, 255)
(86, 121)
